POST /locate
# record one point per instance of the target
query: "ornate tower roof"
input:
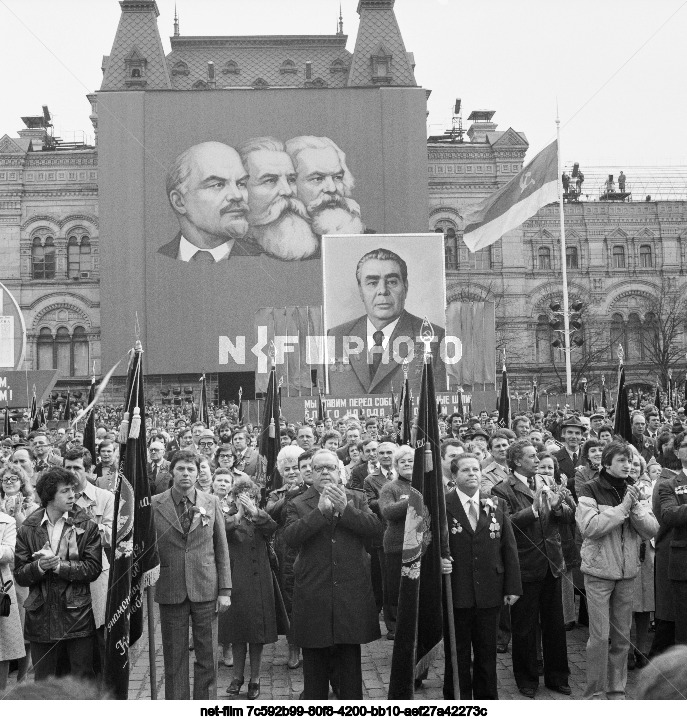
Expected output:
(137, 60)
(380, 56)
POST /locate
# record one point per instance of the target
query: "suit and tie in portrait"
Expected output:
(369, 350)
(195, 579)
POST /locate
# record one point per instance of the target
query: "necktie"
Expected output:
(532, 484)
(154, 472)
(377, 351)
(186, 515)
(574, 460)
(204, 257)
(472, 515)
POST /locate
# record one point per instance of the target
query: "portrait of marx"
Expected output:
(262, 197)
(370, 348)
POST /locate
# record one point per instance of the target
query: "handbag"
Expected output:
(5, 600)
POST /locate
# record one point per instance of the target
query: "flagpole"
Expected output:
(564, 269)
(151, 642)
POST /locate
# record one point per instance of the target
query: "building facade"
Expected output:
(618, 254)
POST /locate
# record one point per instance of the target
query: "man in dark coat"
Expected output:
(670, 509)
(333, 604)
(485, 575)
(58, 557)
(535, 512)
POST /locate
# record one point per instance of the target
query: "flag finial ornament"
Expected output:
(272, 352)
(137, 331)
(406, 364)
(240, 392)
(427, 335)
(621, 353)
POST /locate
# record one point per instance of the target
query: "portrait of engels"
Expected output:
(264, 197)
(369, 349)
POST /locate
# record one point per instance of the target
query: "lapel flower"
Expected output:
(488, 504)
(202, 512)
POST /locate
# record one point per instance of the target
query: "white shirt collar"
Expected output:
(522, 478)
(187, 250)
(46, 518)
(387, 330)
(465, 499)
(88, 491)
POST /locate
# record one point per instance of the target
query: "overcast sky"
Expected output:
(617, 67)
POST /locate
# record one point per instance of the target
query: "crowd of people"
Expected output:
(552, 523)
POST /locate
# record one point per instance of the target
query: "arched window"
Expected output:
(43, 258)
(617, 335)
(651, 341)
(199, 85)
(483, 259)
(543, 340)
(80, 351)
(135, 73)
(78, 256)
(645, 257)
(46, 360)
(68, 353)
(618, 256)
(180, 68)
(231, 68)
(288, 67)
(63, 351)
(544, 258)
(571, 258)
(635, 344)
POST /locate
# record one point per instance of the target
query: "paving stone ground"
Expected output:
(280, 683)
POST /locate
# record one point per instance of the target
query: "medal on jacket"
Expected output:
(456, 527)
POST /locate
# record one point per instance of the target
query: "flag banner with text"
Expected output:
(535, 186)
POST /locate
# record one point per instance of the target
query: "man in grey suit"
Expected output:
(195, 578)
(369, 350)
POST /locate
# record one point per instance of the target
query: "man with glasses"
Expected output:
(333, 604)
(207, 445)
(157, 468)
(42, 450)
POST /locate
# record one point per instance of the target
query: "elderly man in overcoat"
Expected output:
(333, 605)
(536, 512)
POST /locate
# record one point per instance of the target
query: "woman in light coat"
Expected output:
(11, 636)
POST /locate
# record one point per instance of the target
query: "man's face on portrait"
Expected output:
(320, 185)
(278, 220)
(382, 291)
(212, 204)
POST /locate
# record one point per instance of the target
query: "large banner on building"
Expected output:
(213, 204)
(383, 294)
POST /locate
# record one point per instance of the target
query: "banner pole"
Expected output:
(564, 269)
(452, 635)
(151, 643)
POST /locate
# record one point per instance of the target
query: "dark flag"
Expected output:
(504, 400)
(42, 421)
(134, 561)
(439, 410)
(535, 399)
(51, 411)
(638, 401)
(586, 406)
(394, 404)
(204, 412)
(268, 442)
(89, 428)
(406, 414)
(34, 420)
(622, 425)
(194, 411)
(320, 406)
(459, 407)
(240, 416)
(604, 399)
(67, 413)
(657, 398)
(7, 426)
(419, 624)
